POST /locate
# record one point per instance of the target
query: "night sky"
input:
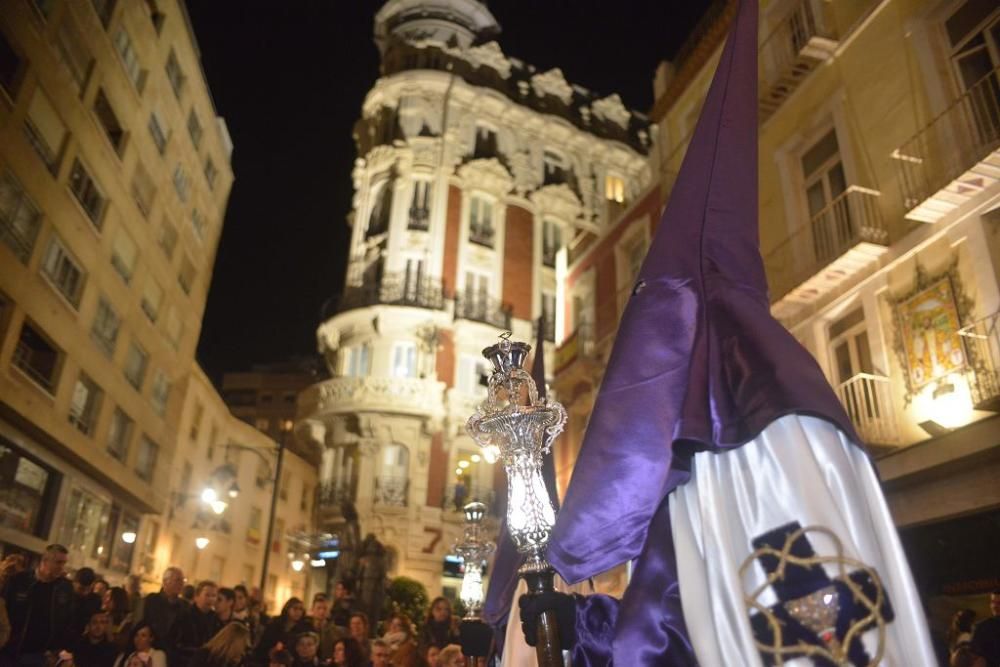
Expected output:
(290, 77)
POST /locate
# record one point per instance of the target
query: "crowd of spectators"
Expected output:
(49, 619)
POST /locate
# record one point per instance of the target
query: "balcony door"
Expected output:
(853, 368)
(412, 278)
(973, 31)
(825, 182)
(477, 294)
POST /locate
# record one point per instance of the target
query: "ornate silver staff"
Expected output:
(474, 549)
(519, 428)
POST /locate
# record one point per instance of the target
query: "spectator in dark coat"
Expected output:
(116, 603)
(94, 648)
(87, 602)
(440, 627)
(343, 605)
(40, 605)
(285, 628)
(986, 635)
(200, 623)
(163, 612)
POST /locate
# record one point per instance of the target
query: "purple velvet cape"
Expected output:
(699, 364)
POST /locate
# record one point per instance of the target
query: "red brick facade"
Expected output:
(446, 357)
(519, 243)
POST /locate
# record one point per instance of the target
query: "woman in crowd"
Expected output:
(358, 628)
(398, 632)
(116, 604)
(226, 649)
(347, 653)
(441, 626)
(431, 656)
(142, 653)
(285, 628)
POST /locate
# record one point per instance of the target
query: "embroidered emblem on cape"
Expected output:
(815, 616)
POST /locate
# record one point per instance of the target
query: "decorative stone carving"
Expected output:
(487, 174)
(491, 56)
(611, 108)
(425, 152)
(558, 201)
(380, 394)
(381, 158)
(552, 83)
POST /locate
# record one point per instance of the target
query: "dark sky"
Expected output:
(290, 78)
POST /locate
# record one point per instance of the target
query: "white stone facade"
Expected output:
(476, 176)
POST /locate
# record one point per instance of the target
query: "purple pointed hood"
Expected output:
(699, 362)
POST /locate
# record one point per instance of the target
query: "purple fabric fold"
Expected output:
(698, 360)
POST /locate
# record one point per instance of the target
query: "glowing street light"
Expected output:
(128, 537)
(201, 542)
(298, 564)
(463, 464)
(219, 506)
(209, 495)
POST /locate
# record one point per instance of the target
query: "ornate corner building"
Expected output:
(477, 177)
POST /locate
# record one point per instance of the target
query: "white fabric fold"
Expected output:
(799, 469)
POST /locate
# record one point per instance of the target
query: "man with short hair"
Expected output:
(380, 653)
(343, 604)
(199, 622)
(94, 649)
(163, 611)
(40, 604)
(87, 601)
(986, 635)
(319, 618)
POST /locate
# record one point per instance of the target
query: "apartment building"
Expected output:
(476, 175)
(233, 516)
(879, 211)
(114, 177)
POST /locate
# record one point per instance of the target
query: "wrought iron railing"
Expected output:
(420, 219)
(868, 401)
(483, 309)
(853, 217)
(395, 289)
(982, 342)
(391, 490)
(331, 494)
(958, 138)
(482, 235)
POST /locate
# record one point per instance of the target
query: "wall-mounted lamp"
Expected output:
(201, 542)
(128, 537)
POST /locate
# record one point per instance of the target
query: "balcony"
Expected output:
(391, 491)
(549, 330)
(580, 345)
(955, 157)
(331, 495)
(419, 220)
(982, 344)
(840, 241)
(414, 396)
(483, 309)
(868, 401)
(482, 234)
(793, 49)
(395, 289)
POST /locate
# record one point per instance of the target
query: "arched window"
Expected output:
(378, 220)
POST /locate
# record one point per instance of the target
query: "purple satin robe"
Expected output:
(699, 364)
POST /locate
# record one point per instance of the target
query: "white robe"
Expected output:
(799, 469)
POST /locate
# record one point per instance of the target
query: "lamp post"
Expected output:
(516, 425)
(280, 447)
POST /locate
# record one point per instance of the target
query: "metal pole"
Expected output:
(270, 521)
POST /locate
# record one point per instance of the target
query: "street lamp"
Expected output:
(128, 537)
(201, 543)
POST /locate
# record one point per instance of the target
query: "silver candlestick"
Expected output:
(474, 550)
(519, 429)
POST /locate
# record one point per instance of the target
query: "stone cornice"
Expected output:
(612, 109)
(558, 201)
(487, 174)
(552, 83)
